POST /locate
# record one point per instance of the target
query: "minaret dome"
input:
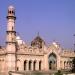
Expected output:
(11, 11)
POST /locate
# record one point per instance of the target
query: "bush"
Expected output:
(58, 73)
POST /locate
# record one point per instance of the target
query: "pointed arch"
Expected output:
(30, 64)
(40, 63)
(53, 54)
(34, 65)
(64, 64)
(52, 60)
(25, 64)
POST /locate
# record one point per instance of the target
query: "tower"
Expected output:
(11, 40)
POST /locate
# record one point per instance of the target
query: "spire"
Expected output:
(74, 42)
(38, 34)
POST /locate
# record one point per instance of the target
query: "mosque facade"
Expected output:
(19, 56)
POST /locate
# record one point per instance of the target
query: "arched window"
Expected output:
(67, 64)
(70, 64)
(10, 12)
(39, 65)
(25, 64)
(30, 62)
(34, 65)
(64, 64)
(12, 27)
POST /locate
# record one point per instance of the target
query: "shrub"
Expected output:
(58, 73)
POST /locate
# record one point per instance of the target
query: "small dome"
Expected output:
(56, 44)
(18, 38)
(11, 7)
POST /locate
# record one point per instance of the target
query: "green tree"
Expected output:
(73, 65)
(58, 73)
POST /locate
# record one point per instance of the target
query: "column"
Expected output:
(32, 65)
(37, 65)
(58, 63)
(45, 63)
(66, 65)
(22, 65)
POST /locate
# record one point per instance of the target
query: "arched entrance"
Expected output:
(52, 60)
(34, 65)
(40, 65)
(25, 64)
(30, 64)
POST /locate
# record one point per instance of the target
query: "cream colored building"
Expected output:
(19, 56)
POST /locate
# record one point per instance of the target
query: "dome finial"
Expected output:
(10, 7)
(38, 34)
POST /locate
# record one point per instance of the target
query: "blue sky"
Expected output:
(53, 19)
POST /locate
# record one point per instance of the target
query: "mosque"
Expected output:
(38, 56)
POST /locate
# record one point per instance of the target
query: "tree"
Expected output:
(73, 65)
(58, 73)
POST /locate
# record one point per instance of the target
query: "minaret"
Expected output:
(11, 40)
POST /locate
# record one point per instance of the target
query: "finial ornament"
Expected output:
(38, 34)
(74, 42)
(11, 7)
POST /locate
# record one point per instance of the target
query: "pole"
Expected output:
(74, 42)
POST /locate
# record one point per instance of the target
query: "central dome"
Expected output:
(37, 42)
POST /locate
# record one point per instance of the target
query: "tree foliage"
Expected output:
(58, 73)
(73, 65)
